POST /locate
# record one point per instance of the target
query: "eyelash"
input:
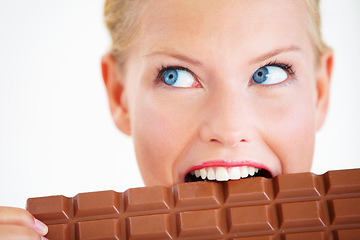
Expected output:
(163, 69)
(285, 66)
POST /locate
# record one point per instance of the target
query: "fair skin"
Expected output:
(217, 115)
(227, 118)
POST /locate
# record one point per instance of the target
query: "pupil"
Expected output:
(260, 74)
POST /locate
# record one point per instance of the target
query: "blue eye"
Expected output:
(171, 76)
(269, 75)
(179, 78)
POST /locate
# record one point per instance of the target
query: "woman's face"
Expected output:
(220, 87)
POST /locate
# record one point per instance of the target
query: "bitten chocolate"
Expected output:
(290, 206)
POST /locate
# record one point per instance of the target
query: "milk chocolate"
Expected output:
(288, 207)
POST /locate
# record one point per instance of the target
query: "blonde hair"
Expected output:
(313, 19)
(123, 22)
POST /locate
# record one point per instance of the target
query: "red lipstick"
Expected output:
(223, 163)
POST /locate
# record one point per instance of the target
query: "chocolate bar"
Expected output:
(290, 206)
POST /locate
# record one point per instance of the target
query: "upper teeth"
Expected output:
(224, 174)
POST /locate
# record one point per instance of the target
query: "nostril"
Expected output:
(230, 143)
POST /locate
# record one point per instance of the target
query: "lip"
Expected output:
(223, 163)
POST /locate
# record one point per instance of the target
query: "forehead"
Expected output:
(225, 26)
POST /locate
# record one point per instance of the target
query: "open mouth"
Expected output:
(225, 173)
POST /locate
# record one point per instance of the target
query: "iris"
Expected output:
(171, 76)
(261, 75)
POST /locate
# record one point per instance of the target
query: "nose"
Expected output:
(227, 119)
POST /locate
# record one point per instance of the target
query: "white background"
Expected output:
(56, 132)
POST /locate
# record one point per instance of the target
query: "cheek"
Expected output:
(290, 131)
(153, 143)
(159, 138)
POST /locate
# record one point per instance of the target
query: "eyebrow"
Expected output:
(273, 53)
(175, 54)
(261, 58)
